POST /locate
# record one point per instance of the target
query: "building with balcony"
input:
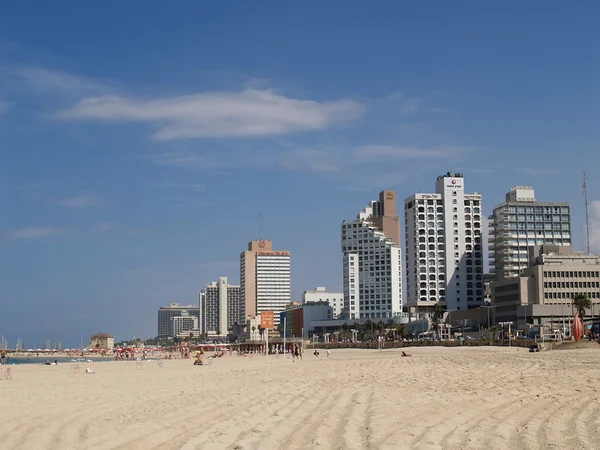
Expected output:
(522, 222)
(183, 325)
(372, 261)
(220, 308)
(444, 256)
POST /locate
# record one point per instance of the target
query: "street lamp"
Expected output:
(509, 324)
(488, 321)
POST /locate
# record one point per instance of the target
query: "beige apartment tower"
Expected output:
(385, 218)
(265, 283)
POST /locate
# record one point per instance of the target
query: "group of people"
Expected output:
(316, 353)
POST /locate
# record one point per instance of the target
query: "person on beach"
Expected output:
(3, 357)
(328, 353)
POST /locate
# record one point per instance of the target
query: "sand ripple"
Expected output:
(454, 398)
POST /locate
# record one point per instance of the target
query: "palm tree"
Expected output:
(280, 329)
(253, 330)
(494, 330)
(436, 316)
(261, 330)
(581, 302)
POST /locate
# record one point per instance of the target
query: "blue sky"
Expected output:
(139, 143)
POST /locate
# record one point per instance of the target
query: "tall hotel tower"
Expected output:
(522, 222)
(373, 261)
(444, 256)
(220, 308)
(265, 283)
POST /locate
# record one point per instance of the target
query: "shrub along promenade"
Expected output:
(402, 344)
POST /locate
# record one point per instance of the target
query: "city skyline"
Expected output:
(123, 189)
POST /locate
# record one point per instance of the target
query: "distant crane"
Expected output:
(587, 217)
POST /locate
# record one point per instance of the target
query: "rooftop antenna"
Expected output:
(587, 218)
(260, 228)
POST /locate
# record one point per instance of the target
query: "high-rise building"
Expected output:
(372, 264)
(444, 256)
(165, 313)
(220, 308)
(543, 293)
(321, 294)
(265, 283)
(520, 223)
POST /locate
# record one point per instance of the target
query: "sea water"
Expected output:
(17, 361)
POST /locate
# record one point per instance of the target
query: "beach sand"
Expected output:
(453, 398)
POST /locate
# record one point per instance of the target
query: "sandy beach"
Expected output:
(438, 398)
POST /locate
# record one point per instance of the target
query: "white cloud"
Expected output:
(35, 232)
(320, 159)
(78, 201)
(392, 153)
(594, 210)
(250, 112)
(403, 104)
(47, 80)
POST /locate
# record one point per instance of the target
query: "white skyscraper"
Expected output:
(520, 223)
(444, 256)
(220, 308)
(372, 264)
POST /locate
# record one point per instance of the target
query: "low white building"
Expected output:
(184, 324)
(320, 294)
(253, 328)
